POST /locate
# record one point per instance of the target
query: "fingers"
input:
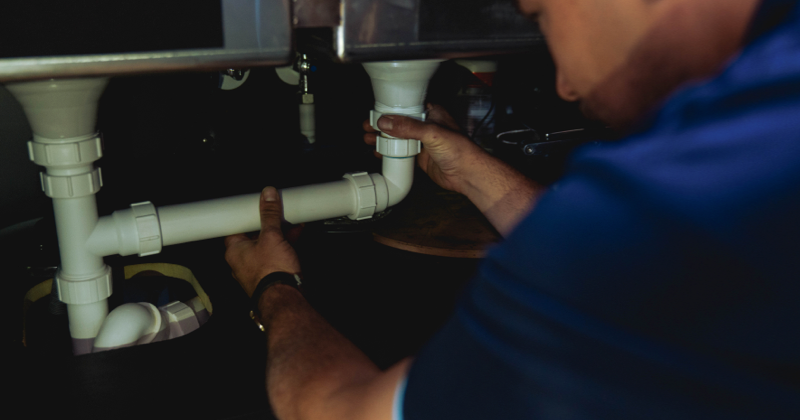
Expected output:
(409, 128)
(271, 211)
(371, 138)
(235, 239)
(367, 126)
(293, 233)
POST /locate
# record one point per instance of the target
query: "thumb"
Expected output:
(271, 211)
(402, 127)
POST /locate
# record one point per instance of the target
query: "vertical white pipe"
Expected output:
(308, 122)
(75, 221)
(84, 324)
(62, 115)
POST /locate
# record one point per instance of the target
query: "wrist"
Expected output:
(477, 169)
(465, 170)
(271, 281)
(275, 299)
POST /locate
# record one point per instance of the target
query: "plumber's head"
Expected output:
(621, 57)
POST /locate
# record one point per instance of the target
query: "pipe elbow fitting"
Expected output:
(399, 176)
(128, 325)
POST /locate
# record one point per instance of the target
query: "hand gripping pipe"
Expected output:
(62, 115)
(399, 89)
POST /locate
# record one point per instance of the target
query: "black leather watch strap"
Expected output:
(278, 277)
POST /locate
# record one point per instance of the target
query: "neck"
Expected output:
(693, 40)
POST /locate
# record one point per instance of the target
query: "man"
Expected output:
(657, 279)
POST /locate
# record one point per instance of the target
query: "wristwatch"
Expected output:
(278, 277)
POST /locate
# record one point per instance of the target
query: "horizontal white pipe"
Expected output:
(181, 223)
(209, 219)
(310, 203)
(127, 324)
(226, 216)
(399, 176)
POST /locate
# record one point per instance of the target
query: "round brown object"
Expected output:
(437, 222)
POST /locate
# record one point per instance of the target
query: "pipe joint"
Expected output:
(80, 291)
(72, 186)
(397, 148)
(366, 196)
(148, 228)
(374, 115)
(399, 176)
(133, 231)
(65, 153)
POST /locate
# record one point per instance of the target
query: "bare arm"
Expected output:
(313, 372)
(454, 162)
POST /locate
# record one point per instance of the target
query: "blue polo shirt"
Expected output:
(659, 279)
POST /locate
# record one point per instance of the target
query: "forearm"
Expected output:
(313, 372)
(500, 192)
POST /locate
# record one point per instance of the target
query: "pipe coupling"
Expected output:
(393, 147)
(73, 186)
(374, 116)
(397, 148)
(79, 291)
(148, 228)
(66, 154)
(366, 197)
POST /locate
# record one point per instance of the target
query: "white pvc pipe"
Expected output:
(75, 221)
(308, 122)
(116, 234)
(64, 112)
(127, 324)
(85, 322)
(401, 84)
(227, 216)
(310, 203)
(209, 219)
(105, 239)
(399, 175)
(181, 223)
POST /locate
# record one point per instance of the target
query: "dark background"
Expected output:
(103, 27)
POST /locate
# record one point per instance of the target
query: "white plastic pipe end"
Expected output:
(129, 324)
